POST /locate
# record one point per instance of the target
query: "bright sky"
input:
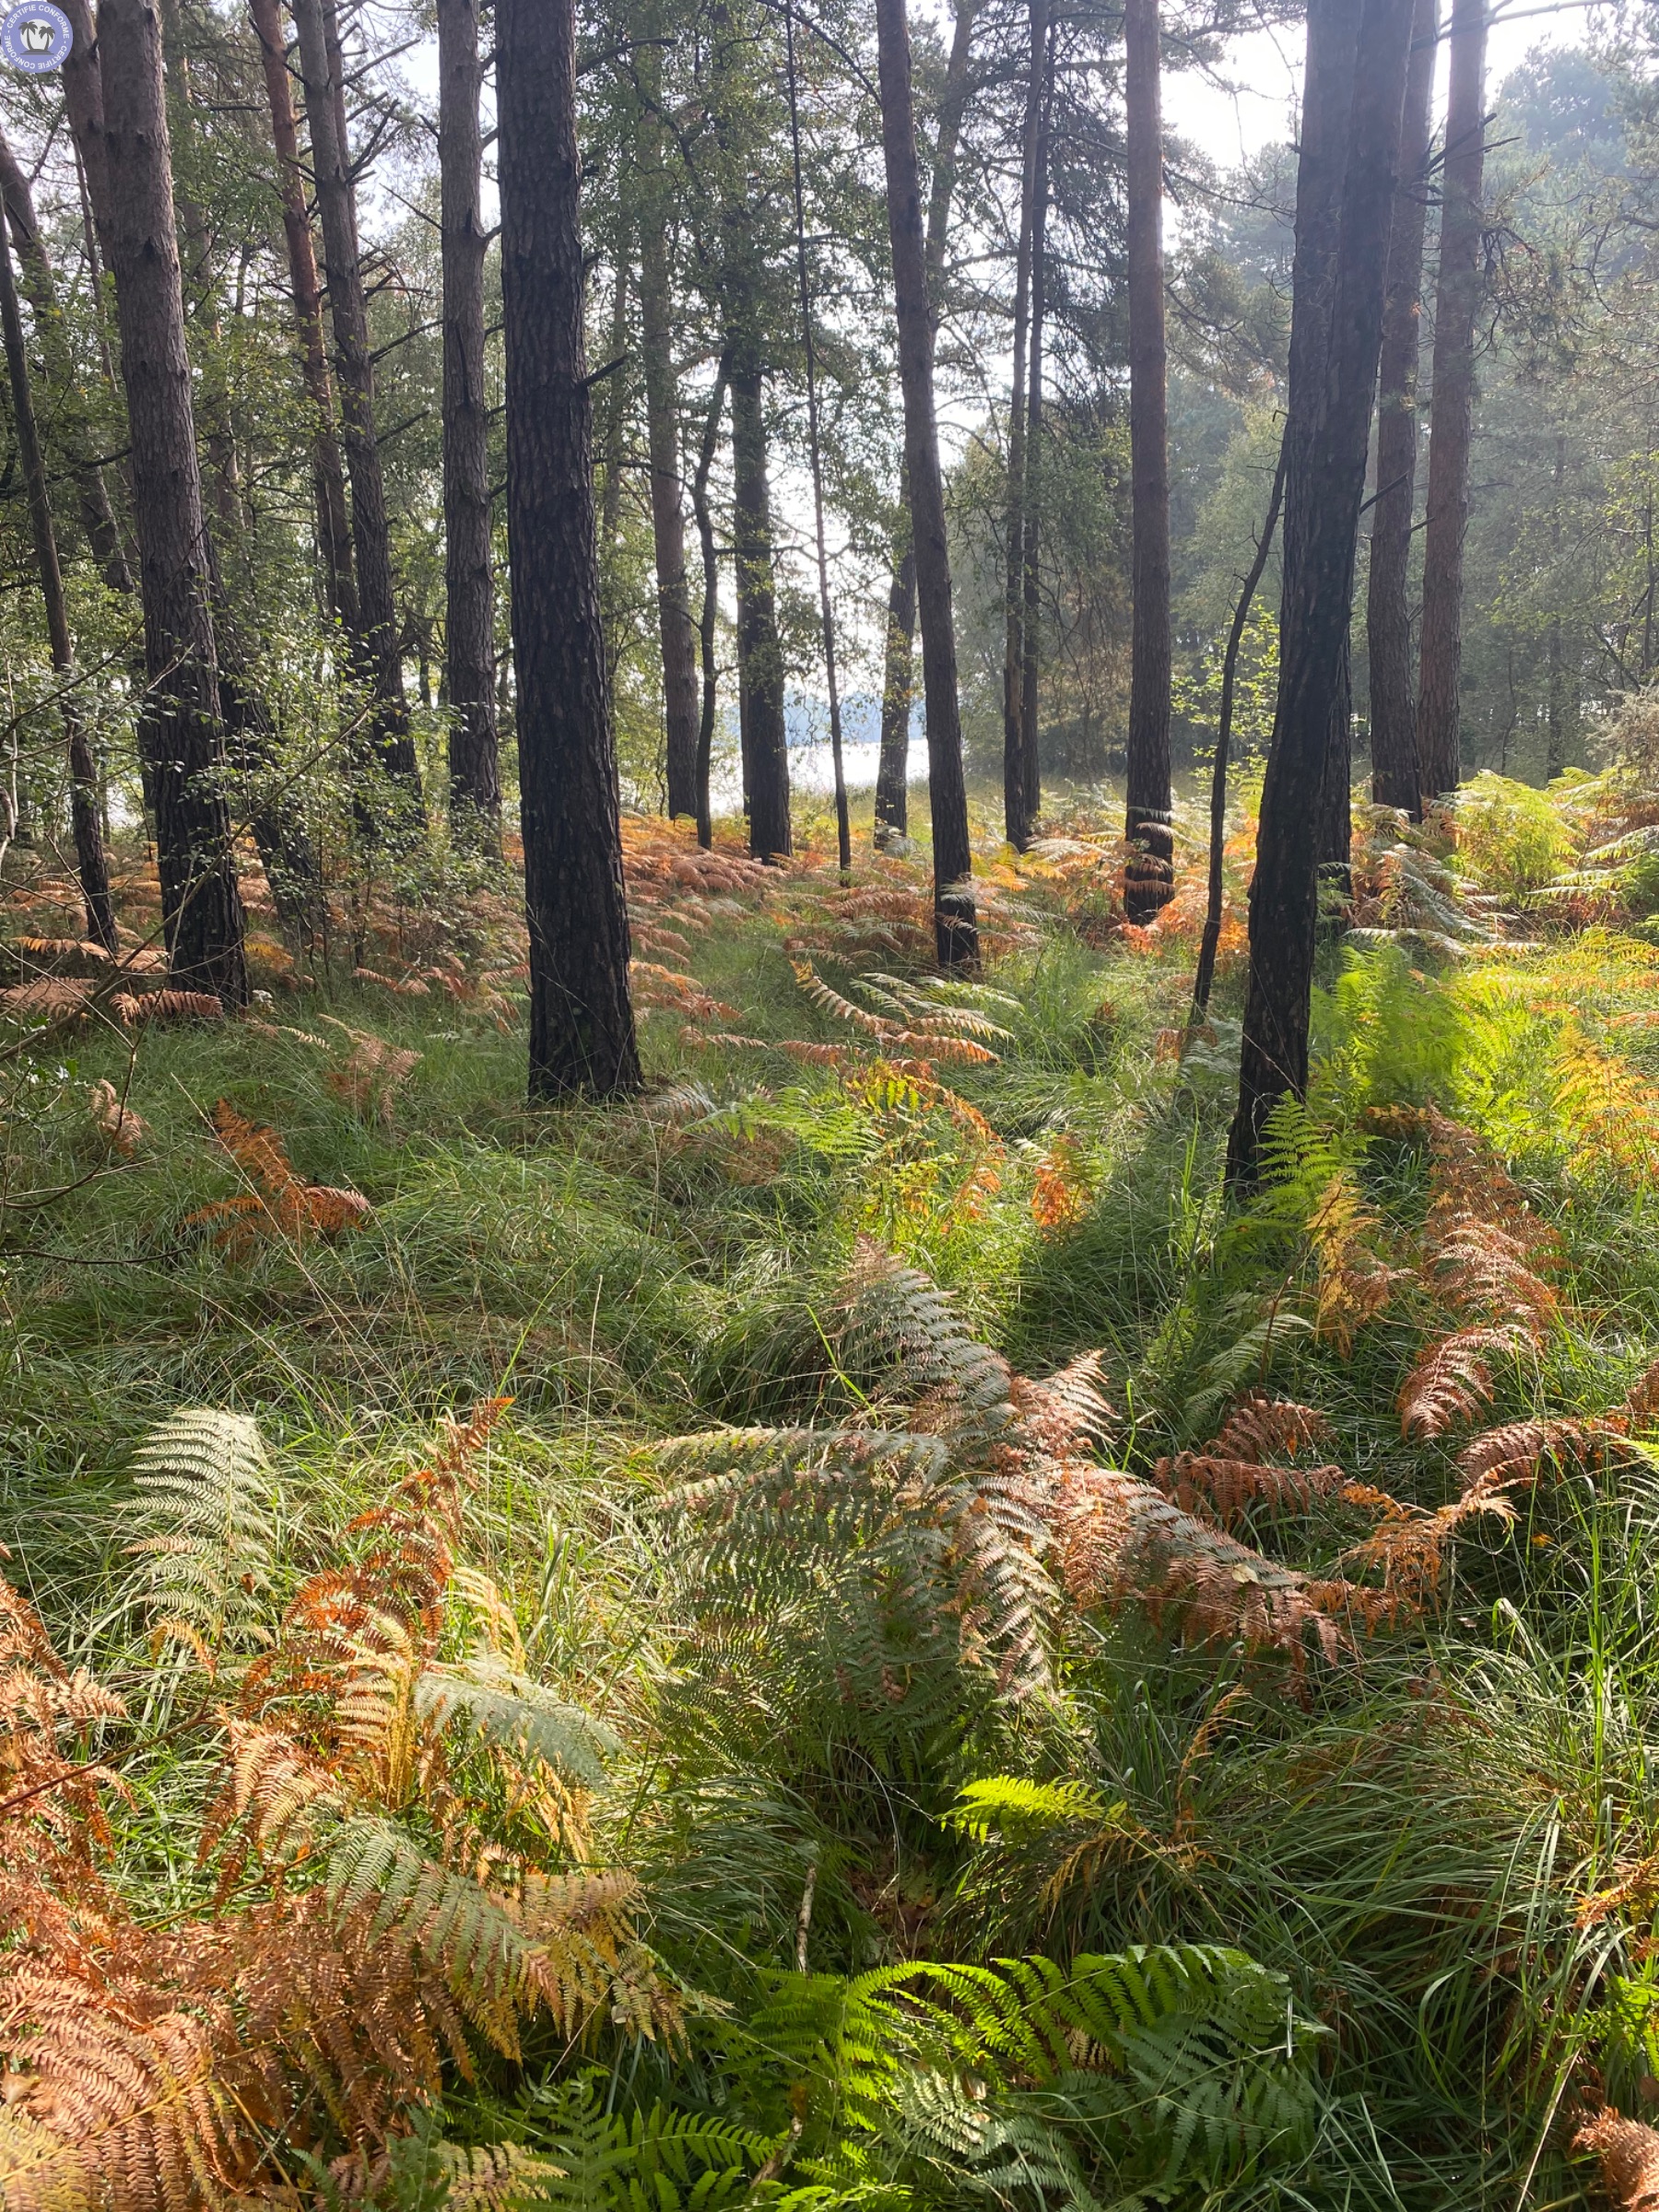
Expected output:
(1255, 103)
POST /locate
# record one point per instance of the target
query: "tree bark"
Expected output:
(1353, 88)
(1030, 622)
(954, 922)
(380, 647)
(662, 441)
(328, 475)
(182, 734)
(1335, 804)
(1015, 826)
(614, 371)
(1211, 938)
(1451, 404)
(711, 603)
(759, 652)
(1394, 777)
(40, 288)
(581, 1027)
(91, 864)
(468, 582)
(892, 795)
(1148, 881)
(826, 614)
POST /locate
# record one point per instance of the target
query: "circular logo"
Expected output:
(36, 36)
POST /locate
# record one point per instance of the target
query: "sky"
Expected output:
(1253, 99)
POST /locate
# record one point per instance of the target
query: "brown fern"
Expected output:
(1628, 2154)
(281, 1201)
(144, 1009)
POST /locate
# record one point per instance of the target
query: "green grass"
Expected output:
(1406, 1836)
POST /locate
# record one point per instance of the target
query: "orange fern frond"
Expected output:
(1628, 2154)
(140, 1009)
(119, 1123)
(1452, 1380)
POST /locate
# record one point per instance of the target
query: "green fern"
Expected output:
(657, 2160)
(519, 1714)
(203, 1525)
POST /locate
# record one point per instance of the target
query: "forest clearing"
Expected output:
(829, 1106)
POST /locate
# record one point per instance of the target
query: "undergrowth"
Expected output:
(927, 1663)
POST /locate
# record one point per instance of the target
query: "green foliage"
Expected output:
(1511, 835)
(203, 1525)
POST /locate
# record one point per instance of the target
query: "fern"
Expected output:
(204, 1525)
(519, 1714)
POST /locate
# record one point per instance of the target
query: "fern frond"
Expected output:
(519, 1714)
(203, 1522)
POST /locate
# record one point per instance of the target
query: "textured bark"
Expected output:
(1395, 779)
(1030, 620)
(897, 689)
(1354, 88)
(581, 1028)
(759, 652)
(1451, 404)
(380, 646)
(181, 729)
(40, 288)
(711, 603)
(91, 864)
(1015, 826)
(1335, 802)
(468, 582)
(1148, 881)
(1211, 938)
(614, 371)
(84, 100)
(328, 474)
(815, 459)
(663, 441)
(956, 926)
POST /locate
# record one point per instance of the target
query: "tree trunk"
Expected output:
(614, 371)
(1355, 84)
(663, 441)
(1337, 798)
(842, 827)
(328, 476)
(1149, 880)
(581, 1027)
(892, 795)
(40, 288)
(759, 652)
(1451, 404)
(200, 903)
(89, 860)
(1015, 826)
(380, 644)
(898, 682)
(1230, 667)
(1395, 779)
(468, 582)
(1555, 757)
(711, 603)
(956, 926)
(1030, 620)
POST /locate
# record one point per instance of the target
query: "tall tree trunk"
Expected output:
(328, 475)
(1211, 938)
(711, 603)
(614, 371)
(40, 288)
(892, 795)
(1015, 826)
(843, 826)
(581, 1027)
(201, 905)
(663, 441)
(1030, 620)
(381, 645)
(759, 652)
(1555, 757)
(1149, 880)
(468, 582)
(89, 860)
(1337, 798)
(955, 921)
(1451, 404)
(1354, 88)
(710, 607)
(1395, 779)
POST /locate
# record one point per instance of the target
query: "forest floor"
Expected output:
(785, 1617)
